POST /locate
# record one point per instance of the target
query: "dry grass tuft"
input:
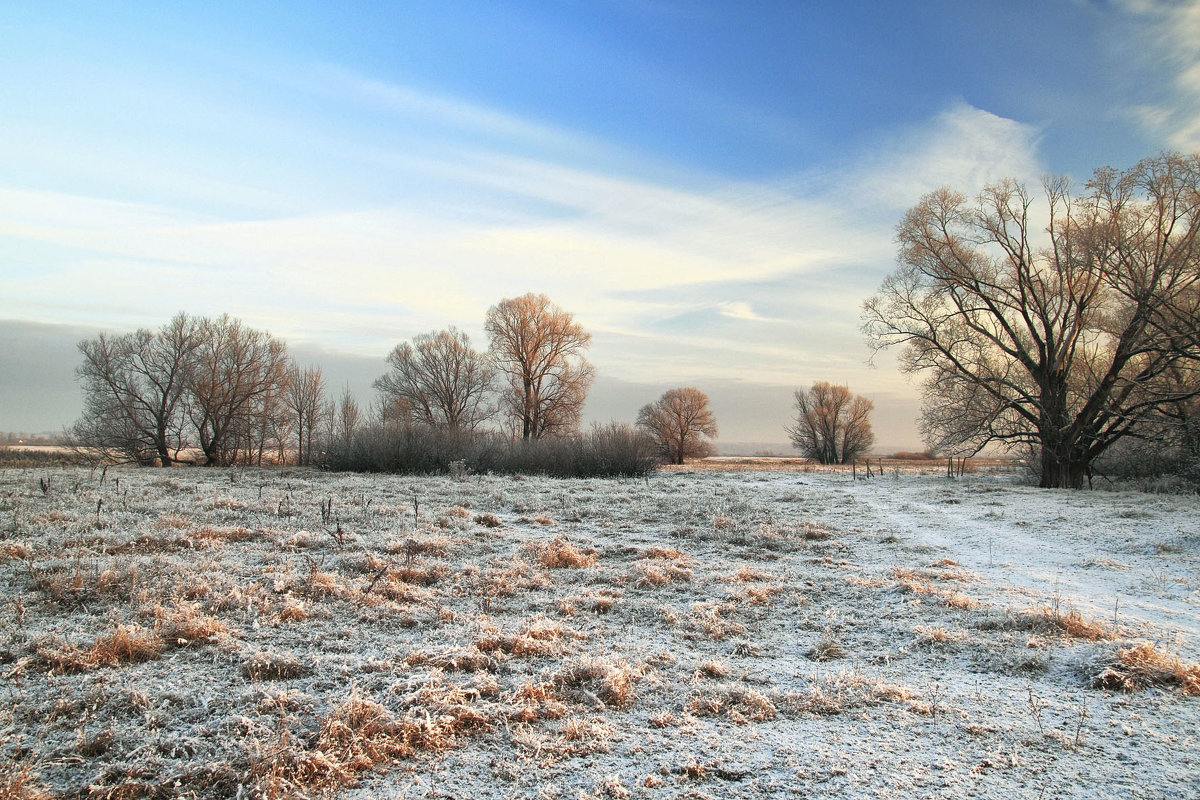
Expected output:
(604, 684)
(714, 669)
(356, 736)
(267, 666)
(1054, 621)
(558, 553)
(739, 704)
(469, 659)
(537, 637)
(1142, 665)
(531, 702)
(811, 532)
(15, 551)
(488, 520)
(960, 601)
(746, 575)
(126, 645)
(18, 781)
(827, 649)
(653, 572)
(841, 692)
(188, 625)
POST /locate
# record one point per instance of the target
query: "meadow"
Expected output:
(700, 633)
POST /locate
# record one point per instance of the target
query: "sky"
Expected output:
(712, 189)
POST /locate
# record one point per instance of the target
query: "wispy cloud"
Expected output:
(1176, 28)
(780, 266)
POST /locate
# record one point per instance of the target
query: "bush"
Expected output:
(606, 451)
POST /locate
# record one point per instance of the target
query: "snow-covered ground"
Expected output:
(699, 634)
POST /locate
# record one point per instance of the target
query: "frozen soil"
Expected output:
(289, 633)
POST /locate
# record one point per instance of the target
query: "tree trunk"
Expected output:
(1062, 470)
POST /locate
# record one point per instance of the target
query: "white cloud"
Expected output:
(1176, 27)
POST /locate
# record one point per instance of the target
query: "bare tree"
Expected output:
(1058, 341)
(347, 414)
(539, 348)
(236, 372)
(681, 422)
(440, 380)
(133, 387)
(832, 425)
(304, 399)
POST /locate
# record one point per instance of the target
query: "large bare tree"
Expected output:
(238, 372)
(832, 425)
(133, 387)
(539, 349)
(1061, 339)
(681, 423)
(439, 380)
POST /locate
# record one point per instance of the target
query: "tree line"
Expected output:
(218, 392)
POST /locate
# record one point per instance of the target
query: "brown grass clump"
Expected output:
(267, 666)
(600, 683)
(960, 601)
(713, 668)
(488, 520)
(538, 637)
(844, 691)
(1142, 665)
(319, 584)
(357, 736)
(506, 578)
(745, 575)
(1070, 623)
(714, 620)
(126, 645)
(15, 551)
(827, 649)
(470, 659)
(19, 782)
(188, 625)
(123, 645)
(558, 553)
(293, 611)
(653, 572)
(739, 704)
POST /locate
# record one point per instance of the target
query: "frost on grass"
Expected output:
(698, 634)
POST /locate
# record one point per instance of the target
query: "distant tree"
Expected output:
(439, 380)
(348, 414)
(832, 426)
(304, 399)
(539, 349)
(237, 372)
(1059, 340)
(133, 392)
(681, 422)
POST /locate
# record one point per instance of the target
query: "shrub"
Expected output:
(611, 450)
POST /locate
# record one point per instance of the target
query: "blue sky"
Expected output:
(710, 187)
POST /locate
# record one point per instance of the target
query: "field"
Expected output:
(713, 633)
